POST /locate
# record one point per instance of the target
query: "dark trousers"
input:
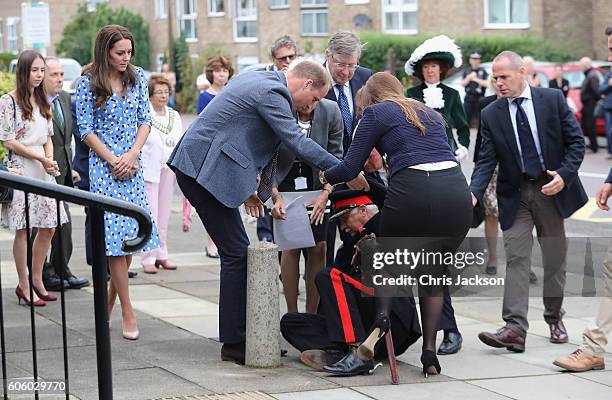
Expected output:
(225, 227)
(471, 110)
(60, 255)
(447, 319)
(588, 123)
(539, 210)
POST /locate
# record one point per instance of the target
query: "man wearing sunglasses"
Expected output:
(283, 52)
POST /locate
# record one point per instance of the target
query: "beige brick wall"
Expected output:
(570, 23)
(602, 17)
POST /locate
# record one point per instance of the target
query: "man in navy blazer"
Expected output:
(539, 146)
(225, 159)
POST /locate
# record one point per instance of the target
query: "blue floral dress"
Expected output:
(116, 124)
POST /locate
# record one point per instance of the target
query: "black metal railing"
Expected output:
(97, 205)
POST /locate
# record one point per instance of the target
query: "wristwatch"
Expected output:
(322, 178)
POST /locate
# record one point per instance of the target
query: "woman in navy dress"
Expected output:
(113, 116)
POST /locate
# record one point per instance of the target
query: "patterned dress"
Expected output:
(116, 124)
(33, 134)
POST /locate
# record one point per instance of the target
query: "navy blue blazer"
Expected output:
(359, 79)
(80, 162)
(562, 147)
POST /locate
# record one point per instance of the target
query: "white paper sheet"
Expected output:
(294, 232)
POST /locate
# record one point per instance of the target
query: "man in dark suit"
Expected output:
(589, 96)
(62, 153)
(235, 141)
(347, 77)
(533, 136)
(559, 82)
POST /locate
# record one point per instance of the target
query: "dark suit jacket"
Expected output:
(453, 112)
(562, 148)
(327, 131)
(359, 79)
(81, 154)
(482, 103)
(564, 85)
(62, 141)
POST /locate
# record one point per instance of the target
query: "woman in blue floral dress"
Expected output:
(113, 116)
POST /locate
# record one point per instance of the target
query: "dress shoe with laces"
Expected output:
(558, 333)
(350, 365)
(580, 361)
(451, 343)
(504, 337)
(233, 352)
(76, 282)
(54, 283)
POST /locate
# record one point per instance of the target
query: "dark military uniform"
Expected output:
(473, 93)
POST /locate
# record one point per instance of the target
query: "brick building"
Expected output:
(247, 28)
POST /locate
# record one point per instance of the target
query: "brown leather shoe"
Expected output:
(579, 361)
(314, 358)
(504, 337)
(558, 333)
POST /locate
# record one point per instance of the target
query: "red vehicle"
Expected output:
(574, 75)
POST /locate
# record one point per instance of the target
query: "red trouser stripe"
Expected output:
(358, 285)
(343, 308)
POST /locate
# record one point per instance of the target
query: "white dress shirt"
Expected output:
(527, 105)
(159, 146)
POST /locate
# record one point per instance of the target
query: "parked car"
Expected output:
(546, 72)
(72, 70)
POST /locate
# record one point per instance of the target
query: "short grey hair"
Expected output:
(609, 30)
(345, 43)
(283, 41)
(511, 56)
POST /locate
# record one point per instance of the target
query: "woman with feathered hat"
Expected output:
(430, 63)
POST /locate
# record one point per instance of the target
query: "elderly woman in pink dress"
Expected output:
(166, 130)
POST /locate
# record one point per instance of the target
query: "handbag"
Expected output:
(6, 193)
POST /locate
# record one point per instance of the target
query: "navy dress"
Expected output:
(116, 125)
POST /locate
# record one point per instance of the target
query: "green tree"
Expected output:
(79, 34)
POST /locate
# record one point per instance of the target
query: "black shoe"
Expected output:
(332, 356)
(350, 365)
(54, 283)
(491, 270)
(132, 274)
(451, 343)
(77, 283)
(430, 362)
(233, 352)
(533, 278)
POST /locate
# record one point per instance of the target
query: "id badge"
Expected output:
(300, 183)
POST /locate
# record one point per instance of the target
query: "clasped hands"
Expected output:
(50, 166)
(124, 166)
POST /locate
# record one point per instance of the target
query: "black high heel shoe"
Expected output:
(380, 327)
(430, 363)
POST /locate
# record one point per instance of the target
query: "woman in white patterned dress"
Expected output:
(26, 130)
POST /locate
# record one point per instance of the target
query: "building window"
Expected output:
(161, 9)
(274, 4)
(351, 2)
(1, 36)
(400, 16)
(245, 21)
(314, 18)
(216, 8)
(507, 14)
(92, 4)
(188, 18)
(11, 35)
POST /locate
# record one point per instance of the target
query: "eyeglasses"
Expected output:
(161, 92)
(289, 57)
(343, 65)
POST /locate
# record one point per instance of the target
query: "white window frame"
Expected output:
(354, 2)
(12, 37)
(313, 9)
(161, 9)
(399, 9)
(93, 4)
(1, 35)
(215, 13)
(504, 25)
(244, 18)
(279, 7)
(183, 17)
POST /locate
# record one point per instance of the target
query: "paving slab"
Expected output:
(330, 394)
(438, 390)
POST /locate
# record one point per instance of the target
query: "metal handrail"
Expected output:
(97, 205)
(88, 199)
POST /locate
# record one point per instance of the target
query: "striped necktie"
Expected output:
(57, 112)
(347, 118)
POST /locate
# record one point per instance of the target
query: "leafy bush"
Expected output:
(5, 60)
(7, 83)
(378, 44)
(79, 34)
